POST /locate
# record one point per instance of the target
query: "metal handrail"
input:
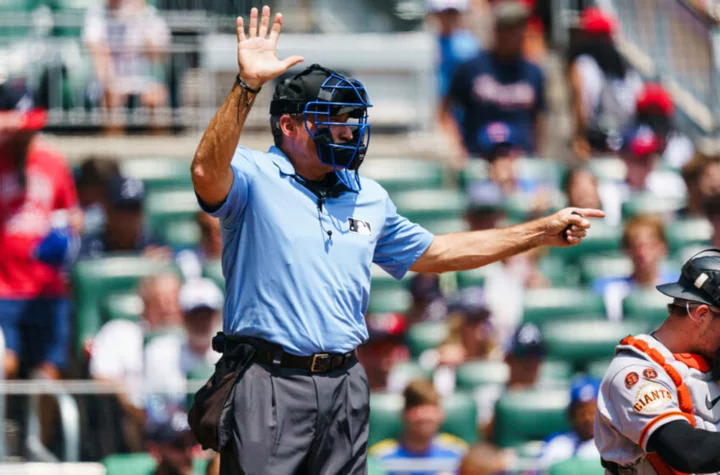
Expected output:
(79, 387)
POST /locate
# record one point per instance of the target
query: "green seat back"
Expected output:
(689, 232)
(647, 203)
(555, 372)
(424, 336)
(646, 306)
(593, 267)
(94, 279)
(579, 342)
(430, 204)
(121, 305)
(539, 170)
(17, 18)
(444, 225)
(577, 466)
(381, 280)
(165, 209)
(523, 416)
(213, 270)
(409, 370)
(608, 168)
(400, 174)
(562, 303)
(373, 467)
(602, 238)
(521, 206)
(473, 374)
(476, 277)
(389, 300)
(386, 416)
(158, 173)
(597, 368)
(476, 170)
(557, 271)
(69, 16)
(129, 464)
(180, 234)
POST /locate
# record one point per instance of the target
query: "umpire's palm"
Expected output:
(257, 52)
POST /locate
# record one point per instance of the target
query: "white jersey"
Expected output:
(637, 396)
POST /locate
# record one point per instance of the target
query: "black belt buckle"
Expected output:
(320, 363)
(219, 342)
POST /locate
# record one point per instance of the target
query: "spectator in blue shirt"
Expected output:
(421, 438)
(579, 442)
(498, 86)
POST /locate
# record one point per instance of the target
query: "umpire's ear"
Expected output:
(291, 126)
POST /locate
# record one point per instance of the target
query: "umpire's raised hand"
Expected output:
(257, 52)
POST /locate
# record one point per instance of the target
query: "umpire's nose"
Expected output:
(342, 133)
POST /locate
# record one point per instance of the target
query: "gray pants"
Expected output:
(288, 421)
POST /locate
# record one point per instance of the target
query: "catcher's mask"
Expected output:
(322, 95)
(699, 279)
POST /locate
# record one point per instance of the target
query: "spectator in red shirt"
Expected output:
(39, 221)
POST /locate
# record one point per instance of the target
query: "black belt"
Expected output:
(271, 354)
(611, 467)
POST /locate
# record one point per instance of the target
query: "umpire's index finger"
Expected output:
(590, 212)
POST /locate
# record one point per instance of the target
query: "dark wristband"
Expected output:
(244, 85)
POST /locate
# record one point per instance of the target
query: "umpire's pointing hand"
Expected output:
(257, 52)
(569, 226)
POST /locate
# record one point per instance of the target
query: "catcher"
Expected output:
(658, 410)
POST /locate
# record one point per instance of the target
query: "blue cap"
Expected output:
(495, 135)
(584, 389)
(126, 193)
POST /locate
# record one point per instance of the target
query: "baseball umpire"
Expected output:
(658, 410)
(300, 231)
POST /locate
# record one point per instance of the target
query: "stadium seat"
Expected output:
(123, 305)
(597, 368)
(407, 371)
(386, 416)
(476, 170)
(593, 267)
(646, 306)
(476, 277)
(401, 174)
(601, 239)
(213, 270)
(608, 168)
(523, 416)
(423, 205)
(182, 234)
(561, 303)
(140, 464)
(381, 280)
(577, 466)
(389, 300)
(580, 342)
(554, 373)
(158, 173)
(444, 226)
(480, 373)
(539, 170)
(689, 232)
(17, 18)
(164, 209)
(93, 279)
(426, 335)
(521, 206)
(651, 204)
(70, 15)
(557, 271)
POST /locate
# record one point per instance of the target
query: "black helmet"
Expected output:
(699, 279)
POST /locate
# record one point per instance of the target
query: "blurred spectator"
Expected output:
(40, 221)
(428, 301)
(117, 350)
(128, 41)
(579, 442)
(422, 417)
(691, 173)
(653, 131)
(384, 349)
(498, 85)
(486, 206)
(92, 182)
(645, 242)
(581, 188)
(456, 43)
(709, 186)
(484, 458)
(172, 444)
(534, 48)
(603, 87)
(124, 229)
(191, 261)
(169, 359)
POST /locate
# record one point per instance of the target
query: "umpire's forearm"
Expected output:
(469, 250)
(211, 173)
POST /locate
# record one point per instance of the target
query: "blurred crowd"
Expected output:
(494, 110)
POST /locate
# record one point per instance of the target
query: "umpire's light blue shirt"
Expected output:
(286, 280)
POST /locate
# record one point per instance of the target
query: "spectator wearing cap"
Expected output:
(579, 442)
(603, 87)
(498, 85)
(421, 438)
(644, 240)
(384, 349)
(171, 443)
(117, 356)
(486, 206)
(171, 358)
(427, 299)
(456, 44)
(40, 221)
(92, 182)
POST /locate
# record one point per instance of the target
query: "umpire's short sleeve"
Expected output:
(401, 242)
(243, 167)
(638, 399)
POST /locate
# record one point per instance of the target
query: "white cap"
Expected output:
(440, 5)
(200, 293)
